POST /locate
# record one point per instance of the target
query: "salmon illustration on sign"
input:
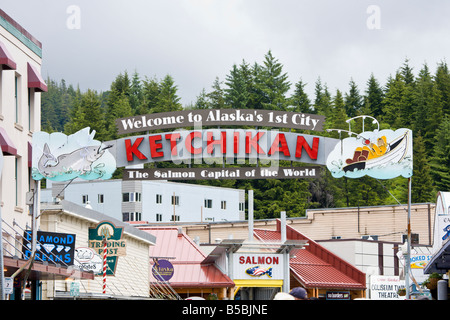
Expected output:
(61, 158)
(381, 154)
(257, 271)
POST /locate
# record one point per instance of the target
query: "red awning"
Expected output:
(6, 59)
(30, 155)
(6, 143)
(35, 80)
(187, 260)
(315, 266)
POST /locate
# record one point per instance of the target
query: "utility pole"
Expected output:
(408, 244)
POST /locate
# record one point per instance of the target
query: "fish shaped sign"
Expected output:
(257, 271)
(59, 157)
(381, 154)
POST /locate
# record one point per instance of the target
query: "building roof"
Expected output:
(95, 216)
(315, 266)
(186, 257)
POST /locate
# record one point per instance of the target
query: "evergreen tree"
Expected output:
(393, 101)
(442, 80)
(150, 96)
(338, 117)
(299, 100)
(421, 183)
(322, 99)
(374, 97)
(236, 94)
(440, 160)
(168, 99)
(202, 101)
(216, 97)
(273, 84)
(353, 101)
(135, 92)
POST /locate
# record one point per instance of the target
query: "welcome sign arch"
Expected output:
(381, 154)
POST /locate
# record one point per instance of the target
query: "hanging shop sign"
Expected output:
(59, 157)
(384, 154)
(116, 246)
(51, 246)
(162, 270)
(87, 259)
(264, 266)
(222, 117)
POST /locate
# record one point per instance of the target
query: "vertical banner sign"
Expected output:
(115, 245)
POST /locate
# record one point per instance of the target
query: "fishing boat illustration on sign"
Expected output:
(59, 157)
(382, 154)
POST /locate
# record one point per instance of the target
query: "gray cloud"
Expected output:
(197, 40)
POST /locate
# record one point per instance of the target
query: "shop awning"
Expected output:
(6, 143)
(42, 271)
(35, 79)
(6, 59)
(440, 262)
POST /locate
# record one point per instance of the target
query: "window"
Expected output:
(30, 109)
(208, 203)
(177, 218)
(16, 177)
(158, 217)
(131, 197)
(16, 98)
(414, 238)
(159, 198)
(131, 216)
(84, 198)
(176, 200)
(371, 237)
(223, 205)
(241, 206)
(101, 198)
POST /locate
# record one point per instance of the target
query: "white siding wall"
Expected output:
(132, 272)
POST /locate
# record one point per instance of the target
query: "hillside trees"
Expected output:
(419, 101)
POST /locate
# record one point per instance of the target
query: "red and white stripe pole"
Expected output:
(104, 265)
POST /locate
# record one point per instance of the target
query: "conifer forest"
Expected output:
(408, 98)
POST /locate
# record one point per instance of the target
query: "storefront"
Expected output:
(190, 273)
(257, 276)
(323, 274)
(114, 254)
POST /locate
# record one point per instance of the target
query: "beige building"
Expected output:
(131, 278)
(384, 223)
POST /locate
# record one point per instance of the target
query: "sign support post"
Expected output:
(408, 243)
(104, 264)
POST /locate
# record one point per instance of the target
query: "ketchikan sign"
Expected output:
(381, 154)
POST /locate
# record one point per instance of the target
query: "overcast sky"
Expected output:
(89, 42)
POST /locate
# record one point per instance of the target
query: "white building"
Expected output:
(20, 101)
(152, 201)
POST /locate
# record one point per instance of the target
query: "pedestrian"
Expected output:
(283, 296)
(299, 293)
